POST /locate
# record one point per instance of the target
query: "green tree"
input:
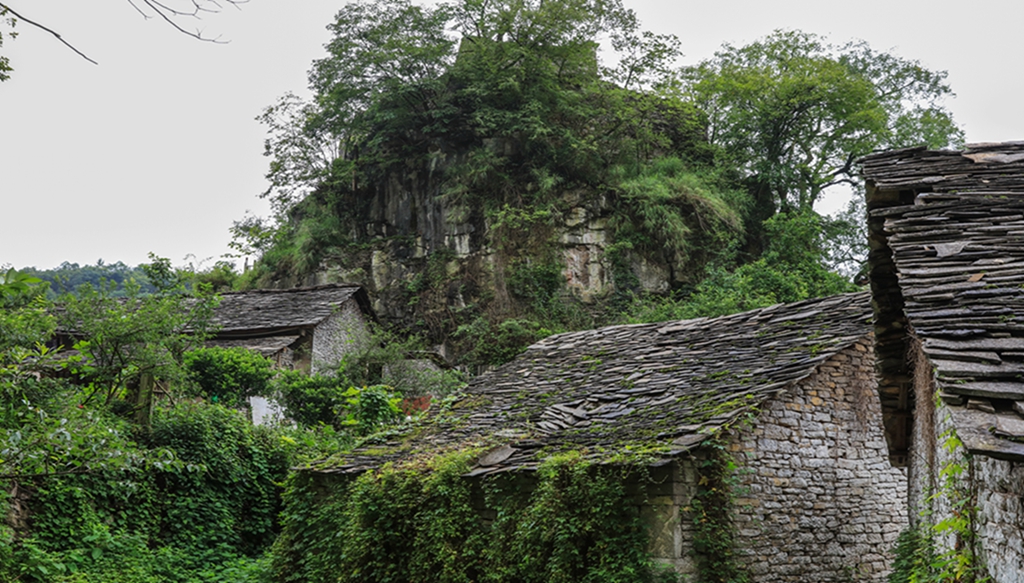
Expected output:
(126, 344)
(398, 77)
(794, 112)
(228, 375)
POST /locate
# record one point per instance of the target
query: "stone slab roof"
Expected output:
(988, 167)
(266, 346)
(270, 312)
(959, 259)
(659, 389)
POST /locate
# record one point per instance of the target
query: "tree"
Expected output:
(795, 112)
(399, 77)
(128, 343)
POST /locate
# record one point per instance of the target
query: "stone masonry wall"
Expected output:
(343, 332)
(818, 500)
(1000, 498)
(997, 487)
(822, 502)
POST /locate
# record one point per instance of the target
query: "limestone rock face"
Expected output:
(423, 253)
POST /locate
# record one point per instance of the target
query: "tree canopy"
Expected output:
(794, 111)
(400, 77)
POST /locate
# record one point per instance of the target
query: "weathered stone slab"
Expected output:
(957, 368)
(988, 390)
(975, 431)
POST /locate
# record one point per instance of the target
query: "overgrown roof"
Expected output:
(650, 389)
(271, 312)
(954, 225)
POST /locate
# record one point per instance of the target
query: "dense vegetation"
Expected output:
(507, 114)
(130, 459)
(129, 456)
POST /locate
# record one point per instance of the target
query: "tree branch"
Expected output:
(49, 30)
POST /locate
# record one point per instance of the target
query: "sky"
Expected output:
(156, 148)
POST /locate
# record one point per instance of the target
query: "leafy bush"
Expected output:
(327, 400)
(204, 510)
(228, 375)
(495, 344)
(793, 268)
(416, 522)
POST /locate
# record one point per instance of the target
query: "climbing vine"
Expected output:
(422, 520)
(711, 511)
(944, 551)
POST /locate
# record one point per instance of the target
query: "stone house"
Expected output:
(307, 328)
(947, 273)
(787, 392)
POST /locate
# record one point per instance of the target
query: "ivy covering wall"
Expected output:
(571, 521)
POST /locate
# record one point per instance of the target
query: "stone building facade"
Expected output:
(308, 329)
(947, 276)
(815, 498)
(787, 393)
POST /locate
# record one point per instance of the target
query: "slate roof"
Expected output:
(956, 236)
(988, 167)
(658, 388)
(262, 313)
(267, 346)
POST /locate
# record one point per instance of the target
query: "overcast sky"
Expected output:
(156, 149)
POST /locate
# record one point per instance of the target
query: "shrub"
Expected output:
(228, 375)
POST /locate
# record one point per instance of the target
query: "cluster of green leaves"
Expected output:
(711, 510)
(228, 375)
(314, 400)
(207, 517)
(6, 19)
(69, 277)
(123, 343)
(943, 547)
(687, 218)
(419, 522)
(794, 267)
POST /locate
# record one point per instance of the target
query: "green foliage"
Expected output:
(915, 553)
(5, 63)
(793, 268)
(122, 340)
(579, 524)
(794, 111)
(686, 216)
(207, 517)
(68, 277)
(417, 522)
(496, 344)
(228, 375)
(313, 400)
(17, 288)
(714, 530)
(944, 549)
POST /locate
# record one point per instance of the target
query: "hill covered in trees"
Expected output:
(492, 173)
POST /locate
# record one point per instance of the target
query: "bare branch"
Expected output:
(49, 30)
(165, 12)
(168, 13)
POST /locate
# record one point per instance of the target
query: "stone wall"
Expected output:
(996, 486)
(343, 332)
(817, 500)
